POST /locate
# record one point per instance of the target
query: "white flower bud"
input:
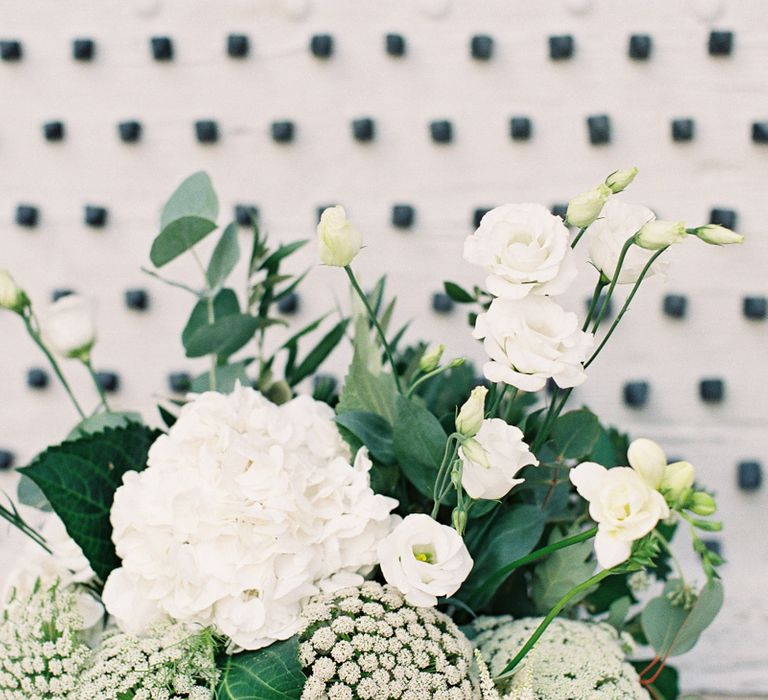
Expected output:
(586, 207)
(68, 326)
(471, 415)
(718, 235)
(619, 180)
(648, 459)
(678, 478)
(11, 295)
(339, 240)
(656, 235)
(473, 452)
(430, 360)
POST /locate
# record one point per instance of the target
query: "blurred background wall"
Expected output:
(291, 105)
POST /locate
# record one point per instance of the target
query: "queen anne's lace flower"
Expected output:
(571, 661)
(245, 510)
(368, 643)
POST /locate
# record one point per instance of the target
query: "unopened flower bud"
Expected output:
(339, 240)
(678, 478)
(656, 235)
(471, 415)
(459, 520)
(431, 358)
(703, 504)
(474, 452)
(717, 235)
(12, 297)
(619, 180)
(586, 207)
(68, 327)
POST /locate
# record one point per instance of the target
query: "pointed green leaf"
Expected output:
(318, 354)
(457, 293)
(272, 673)
(178, 237)
(193, 197)
(224, 258)
(273, 261)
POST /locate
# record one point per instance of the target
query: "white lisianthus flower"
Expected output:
(606, 237)
(492, 459)
(619, 180)
(647, 458)
(245, 510)
(530, 340)
(471, 414)
(68, 326)
(623, 505)
(424, 559)
(339, 240)
(586, 207)
(11, 295)
(656, 235)
(718, 235)
(524, 250)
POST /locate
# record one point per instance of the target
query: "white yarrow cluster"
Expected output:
(571, 661)
(246, 510)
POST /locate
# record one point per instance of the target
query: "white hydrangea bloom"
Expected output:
(571, 661)
(245, 510)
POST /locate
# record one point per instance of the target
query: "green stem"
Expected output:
(426, 377)
(576, 590)
(576, 240)
(668, 547)
(601, 284)
(372, 316)
(439, 490)
(604, 308)
(18, 522)
(624, 308)
(211, 320)
(102, 396)
(497, 399)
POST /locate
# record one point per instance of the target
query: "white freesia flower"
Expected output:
(586, 207)
(471, 414)
(530, 340)
(524, 250)
(424, 559)
(606, 237)
(718, 235)
(68, 326)
(623, 505)
(339, 240)
(245, 510)
(619, 180)
(656, 235)
(11, 295)
(492, 459)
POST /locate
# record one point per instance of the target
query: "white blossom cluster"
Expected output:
(571, 661)
(368, 643)
(41, 655)
(246, 509)
(168, 664)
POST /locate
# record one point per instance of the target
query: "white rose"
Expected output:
(530, 340)
(424, 560)
(656, 235)
(11, 296)
(492, 458)
(586, 207)
(623, 505)
(339, 240)
(471, 415)
(606, 237)
(68, 326)
(718, 235)
(524, 250)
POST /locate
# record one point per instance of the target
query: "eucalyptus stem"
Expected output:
(211, 320)
(551, 615)
(102, 396)
(604, 308)
(578, 236)
(372, 316)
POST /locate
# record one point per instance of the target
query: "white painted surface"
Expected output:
(482, 167)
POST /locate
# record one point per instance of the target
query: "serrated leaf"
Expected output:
(193, 197)
(371, 430)
(223, 337)
(457, 293)
(178, 237)
(318, 354)
(576, 433)
(224, 258)
(272, 673)
(79, 478)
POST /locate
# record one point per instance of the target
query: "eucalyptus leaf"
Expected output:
(224, 258)
(222, 337)
(225, 303)
(29, 494)
(193, 197)
(227, 377)
(371, 430)
(576, 433)
(178, 237)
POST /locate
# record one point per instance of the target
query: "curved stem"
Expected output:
(443, 473)
(102, 396)
(426, 377)
(375, 321)
(604, 308)
(576, 240)
(601, 284)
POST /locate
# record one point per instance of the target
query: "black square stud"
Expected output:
(53, 131)
(95, 217)
(560, 210)
(321, 45)
(682, 129)
(37, 378)
(394, 44)
(720, 43)
(108, 381)
(755, 308)
(83, 49)
(561, 47)
(403, 215)
(760, 132)
(478, 214)
(129, 131)
(363, 129)
(238, 46)
(11, 50)
(636, 394)
(599, 128)
(520, 128)
(283, 131)
(640, 46)
(246, 214)
(7, 458)
(441, 131)
(749, 475)
(27, 215)
(60, 293)
(712, 390)
(206, 131)
(675, 305)
(137, 299)
(179, 382)
(162, 48)
(481, 47)
(289, 304)
(442, 303)
(723, 217)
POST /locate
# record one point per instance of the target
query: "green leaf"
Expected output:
(272, 673)
(79, 479)
(29, 493)
(226, 377)
(225, 303)
(168, 418)
(178, 237)
(273, 261)
(513, 534)
(618, 611)
(457, 293)
(419, 441)
(318, 354)
(224, 258)
(193, 197)
(576, 433)
(223, 337)
(94, 424)
(373, 431)
(667, 684)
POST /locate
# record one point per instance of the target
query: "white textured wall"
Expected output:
(436, 79)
